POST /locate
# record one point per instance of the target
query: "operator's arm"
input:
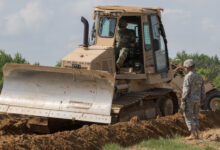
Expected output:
(186, 88)
(117, 40)
(132, 38)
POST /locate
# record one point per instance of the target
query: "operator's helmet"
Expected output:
(122, 23)
(188, 63)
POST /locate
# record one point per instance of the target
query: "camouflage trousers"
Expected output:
(191, 115)
(121, 54)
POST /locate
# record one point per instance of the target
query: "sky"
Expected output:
(45, 31)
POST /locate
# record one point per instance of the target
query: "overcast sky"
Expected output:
(44, 31)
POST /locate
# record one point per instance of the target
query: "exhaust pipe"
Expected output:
(86, 32)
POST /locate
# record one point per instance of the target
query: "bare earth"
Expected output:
(15, 134)
(209, 137)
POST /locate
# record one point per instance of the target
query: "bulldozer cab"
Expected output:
(150, 53)
(134, 61)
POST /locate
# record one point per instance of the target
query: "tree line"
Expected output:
(207, 66)
(7, 58)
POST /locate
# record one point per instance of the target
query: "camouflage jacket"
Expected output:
(124, 38)
(193, 88)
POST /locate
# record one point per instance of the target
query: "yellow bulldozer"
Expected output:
(89, 88)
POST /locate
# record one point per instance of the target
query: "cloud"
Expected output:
(73, 41)
(13, 24)
(177, 12)
(172, 16)
(29, 17)
(173, 11)
(32, 14)
(1, 3)
(198, 1)
(210, 28)
(208, 24)
(83, 7)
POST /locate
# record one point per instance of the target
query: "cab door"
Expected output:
(159, 43)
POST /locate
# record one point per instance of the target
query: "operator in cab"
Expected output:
(124, 42)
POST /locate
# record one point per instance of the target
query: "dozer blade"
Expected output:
(65, 93)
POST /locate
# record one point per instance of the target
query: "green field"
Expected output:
(161, 144)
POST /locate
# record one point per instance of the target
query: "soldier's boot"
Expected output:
(122, 57)
(117, 68)
(117, 65)
(192, 136)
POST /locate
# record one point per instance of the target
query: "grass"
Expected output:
(112, 146)
(161, 144)
(169, 144)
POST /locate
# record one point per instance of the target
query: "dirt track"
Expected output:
(15, 135)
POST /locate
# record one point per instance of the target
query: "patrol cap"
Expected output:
(122, 23)
(188, 63)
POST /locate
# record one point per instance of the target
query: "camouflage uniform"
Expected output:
(193, 94)
(122, 44)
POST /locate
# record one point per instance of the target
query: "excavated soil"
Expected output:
(212, 135)
(15, 135)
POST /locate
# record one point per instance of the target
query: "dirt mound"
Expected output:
(13, 124)
(95, 136)
(212, 135)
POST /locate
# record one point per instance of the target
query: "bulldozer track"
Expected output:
(134, 97)
(145, 105)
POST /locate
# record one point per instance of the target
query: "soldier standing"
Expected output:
(192, 97)
(125, 40)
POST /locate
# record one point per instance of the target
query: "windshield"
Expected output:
(107, 27)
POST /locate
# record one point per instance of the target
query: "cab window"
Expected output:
(147, 40)
(107, 27)
(158, 45)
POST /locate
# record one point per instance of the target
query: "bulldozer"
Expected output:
(89, 88)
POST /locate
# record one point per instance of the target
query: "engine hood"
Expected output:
(91, 58)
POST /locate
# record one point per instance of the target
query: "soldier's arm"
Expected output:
(203, 94)
(116, 44)
(186, 88)
(132, 38)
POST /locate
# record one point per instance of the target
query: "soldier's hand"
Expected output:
(182, 107)
(132, 45)
(201, 104)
